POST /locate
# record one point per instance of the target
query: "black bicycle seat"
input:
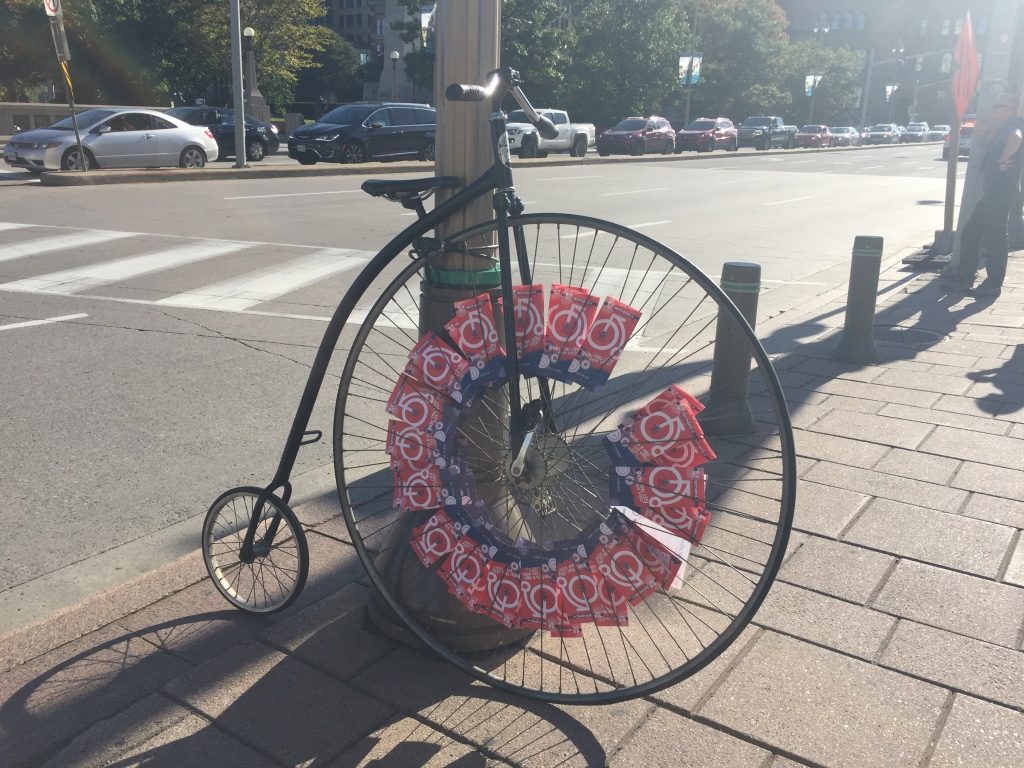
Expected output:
(403, 189)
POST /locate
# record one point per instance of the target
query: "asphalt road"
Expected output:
(179, 321)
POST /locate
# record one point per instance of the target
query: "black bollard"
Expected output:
(857, 344)
(727, 411)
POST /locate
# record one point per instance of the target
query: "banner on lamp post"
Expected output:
(689, 69)
(810, 83)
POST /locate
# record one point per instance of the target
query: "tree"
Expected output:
(336, 74)
(419, 62)
(624, 58)
(836, 97)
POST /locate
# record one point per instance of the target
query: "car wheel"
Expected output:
(428, 153)
(529, 148)
(579, 147)
(303, 160)
(640, 149)
(72, 161)
(192, 157)
(669, 148)
(255, 150)
(541, 153)
(353, 152)
(733, 146)
(602, 154)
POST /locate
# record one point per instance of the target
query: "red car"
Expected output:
(814, 136)
(706, 134)
(638, 136)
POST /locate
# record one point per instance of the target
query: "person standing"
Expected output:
(988, 224)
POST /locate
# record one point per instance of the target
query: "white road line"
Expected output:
(635, 192)
(6, 225)
(791, 200)
(79, 279)
(268, 284)
(58, 243)
(734, 181)
(30, 323)
(779, 282)
(872, 167)
(570, 178)
(803, 162)
(295, 194)
(926, 167)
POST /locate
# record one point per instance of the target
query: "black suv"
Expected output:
(260, 138)
(355, 133)
(764, 132)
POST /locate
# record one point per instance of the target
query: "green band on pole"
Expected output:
(866, 252)
(740, 287)
(451, 278)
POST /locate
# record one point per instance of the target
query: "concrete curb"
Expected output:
(150, 176)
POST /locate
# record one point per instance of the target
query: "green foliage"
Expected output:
(532, 43)
(835, 102)
(336, 74)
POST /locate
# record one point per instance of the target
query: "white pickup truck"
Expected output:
(574, 138)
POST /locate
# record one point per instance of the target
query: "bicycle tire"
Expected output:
(285, 560)
(750, 485)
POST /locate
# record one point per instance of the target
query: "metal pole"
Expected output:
(236, 83)
(728, 411)
(857, 344)
(867, 88)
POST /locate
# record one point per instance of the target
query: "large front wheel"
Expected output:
(623, 532)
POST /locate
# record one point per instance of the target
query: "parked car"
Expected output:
(964, 148)
(638, 136)
(791, 131)
(706, 134)
(361, 131)
(261, 138)
(938, 132)
(883, 133)
(814, 136)
(114, 137)
(764, 132)
(525, 140)
(845, 136)
(915, 133)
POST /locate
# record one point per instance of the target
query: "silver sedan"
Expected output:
(114, 137)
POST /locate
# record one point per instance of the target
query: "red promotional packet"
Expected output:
(668, 435)
(529, 322)
(475, 332)
(416, 404)
(540, 607)
(571, 310)
(416, 490)
(504, 593)
(606, 338)
(440, 367)
(435, 538)
(411, 446)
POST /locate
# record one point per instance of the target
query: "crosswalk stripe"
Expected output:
(8, 225)
(58, 243)
(80, 279)
(248, 290)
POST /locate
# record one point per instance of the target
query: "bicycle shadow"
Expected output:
(302, 687)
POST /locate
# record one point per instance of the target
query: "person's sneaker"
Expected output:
(987, 289)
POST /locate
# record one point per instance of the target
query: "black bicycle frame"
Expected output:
(499, 178)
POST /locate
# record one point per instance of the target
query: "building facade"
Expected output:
(906, 49)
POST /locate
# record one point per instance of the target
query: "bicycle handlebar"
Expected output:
(463, 92)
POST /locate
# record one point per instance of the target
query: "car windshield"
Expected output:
(631, 124)
(813, 129)
(518, 116)
(917, 127)
(347, 115)
(700, 125)
(756, 122)
(966, 131)
(85, 119)
(885, 128)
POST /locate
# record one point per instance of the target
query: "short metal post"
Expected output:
(857, 344)
(727, 411)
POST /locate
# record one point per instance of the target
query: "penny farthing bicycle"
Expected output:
(535, 467)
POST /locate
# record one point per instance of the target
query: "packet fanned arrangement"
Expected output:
(656, 481)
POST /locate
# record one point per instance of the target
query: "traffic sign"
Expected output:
(967, 69)
(52, 7)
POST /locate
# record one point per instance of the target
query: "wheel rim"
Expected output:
(354, 153)
(194, 159)
(74, 161)
(255, 151)
(428, 152)
(275, 577)
(670, 635)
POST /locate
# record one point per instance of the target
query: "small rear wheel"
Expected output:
(579, 147)
(269, 578)
(72, 160)
(255, 150)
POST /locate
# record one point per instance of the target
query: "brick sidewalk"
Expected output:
(893, 636)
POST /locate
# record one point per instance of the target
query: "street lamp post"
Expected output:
(897, 53)
(394, 75)
(254, 101)
(822, 30)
